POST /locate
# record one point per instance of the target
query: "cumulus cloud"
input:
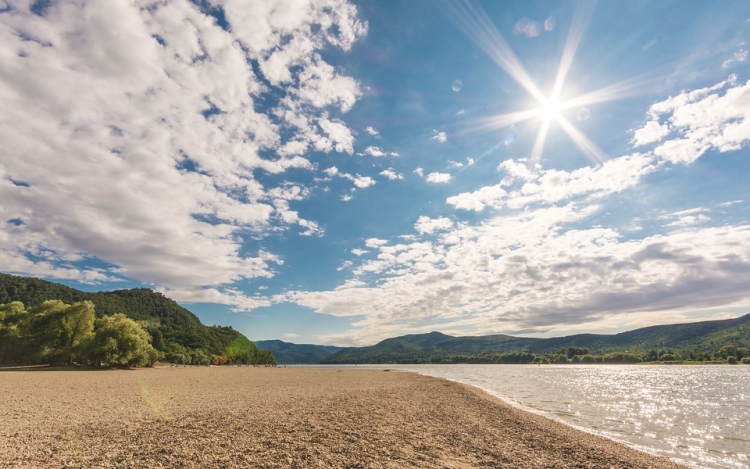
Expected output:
(522, 186)
(427, 225)
(391, 174)
(374, 151)
(441, 137)
(712, 118)
(419, 171)
(145, 113)
(372, 131)
(525, 272)
(332, 171)
(650, 133)
(438, 178)
(362, 182)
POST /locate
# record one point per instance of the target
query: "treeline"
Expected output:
(65, 334)
(176, 333)
(727, 354)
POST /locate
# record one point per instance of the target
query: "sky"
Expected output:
(334, 172)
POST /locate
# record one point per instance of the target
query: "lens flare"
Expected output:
(457, 85)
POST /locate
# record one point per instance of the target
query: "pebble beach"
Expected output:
(245, 417)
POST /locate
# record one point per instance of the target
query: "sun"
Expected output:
(476, 24)
(550, 109)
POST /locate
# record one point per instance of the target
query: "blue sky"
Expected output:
(341, 172)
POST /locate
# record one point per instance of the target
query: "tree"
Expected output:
(120, 341)
(13, 318)
(57, 333)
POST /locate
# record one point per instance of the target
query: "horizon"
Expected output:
(342, 172)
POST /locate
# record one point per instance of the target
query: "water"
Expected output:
(696, 415)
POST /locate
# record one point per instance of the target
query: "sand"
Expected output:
(230, 417)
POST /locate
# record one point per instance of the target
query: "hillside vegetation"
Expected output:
(176, 333)
(286, 352)
(699, 341)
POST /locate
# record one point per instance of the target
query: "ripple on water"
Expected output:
(699, 415)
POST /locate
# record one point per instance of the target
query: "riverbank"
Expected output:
(280, 418)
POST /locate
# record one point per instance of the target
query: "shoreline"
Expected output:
(282, 417)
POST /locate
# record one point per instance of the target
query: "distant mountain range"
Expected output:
(704, 336)
(286, 352)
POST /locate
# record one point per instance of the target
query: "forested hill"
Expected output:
(286, 352)
(176, 331)
(706, 339)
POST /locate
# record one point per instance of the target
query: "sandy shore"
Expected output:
(274, 418)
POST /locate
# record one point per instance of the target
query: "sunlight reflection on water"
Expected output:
(699, 415)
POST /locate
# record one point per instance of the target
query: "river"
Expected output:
(696, 415)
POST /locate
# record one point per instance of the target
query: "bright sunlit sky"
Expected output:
(341, 172)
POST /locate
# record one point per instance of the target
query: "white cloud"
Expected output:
(702, 120)
(650, 133)
(470, 161)
(427, 225)
(238, 300)
(391, 174)
(291, 336)
(739, 56)
(375, 242)
(441, 137)
(438, 178)
(340, 137)
(419, 171)
(731, 202)
(332, 171)
(532, 271)
(347, 197)
(686, 217)
(454, 164)
(359, 252)
(146, 115)
(345, 265)
(363, 182)
(375, 151)
(372, 131)
(551, 186)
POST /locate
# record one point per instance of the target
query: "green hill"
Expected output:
(176, 331)
(286, 352)
(706, 337)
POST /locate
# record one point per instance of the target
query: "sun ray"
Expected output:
(620, 90)
(541, 138)
(472, 20)
(500, 121)
(587, 146)
(581, 19)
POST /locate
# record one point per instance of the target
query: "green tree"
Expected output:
(13, 319)
(120, 341)
(58, 333)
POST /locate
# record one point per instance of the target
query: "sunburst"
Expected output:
(476, 25)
